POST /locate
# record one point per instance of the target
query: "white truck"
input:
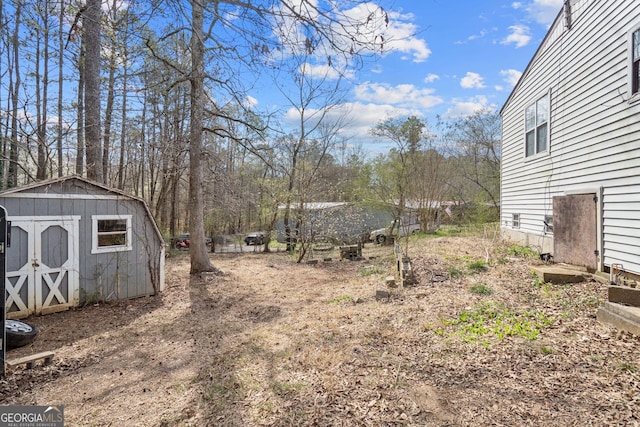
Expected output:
(399, 230)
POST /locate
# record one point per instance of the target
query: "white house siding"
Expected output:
(594, 131)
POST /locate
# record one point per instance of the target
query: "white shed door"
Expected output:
(42, 265)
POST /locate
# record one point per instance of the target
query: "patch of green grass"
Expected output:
(628, 367)
(341, 298)
(371, 270)
(486, 320)
(539, 283)
(455, 272)
(478, 266)
(481, 290)
(218, 390)
(284, 388)
(547, 350)
(522, 252)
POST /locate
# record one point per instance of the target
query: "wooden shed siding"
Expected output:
(110, 275)
(594, 130)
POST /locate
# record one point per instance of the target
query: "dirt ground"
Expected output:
(478, 340)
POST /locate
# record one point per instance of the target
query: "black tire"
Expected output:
(380, 238)
(19, 333)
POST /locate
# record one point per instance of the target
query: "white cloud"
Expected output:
(250, 102)
(472, 81)
(516, 5)
(511, 76)
(359, 117)
(398, 35)
(323, 71)
(544, 11)
(466, 107)
(405, 95)
(477, 36)
(519, 36)
(401, 36)
(431, 78)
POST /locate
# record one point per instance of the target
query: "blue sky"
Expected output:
(465, 55)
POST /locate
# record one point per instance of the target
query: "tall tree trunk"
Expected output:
(42, 93)
(106, 144)
(108, 116)
(80, 149)
(92, 23)
(198, 249)
(60, 87)
(12, 179)
(123, 131)
(143, 145)
(3, 134)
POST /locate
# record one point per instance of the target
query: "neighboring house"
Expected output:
(349, 223)
(340, 222)
(74, 241)
(570, 179)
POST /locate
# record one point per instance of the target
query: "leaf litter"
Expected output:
(275, 343)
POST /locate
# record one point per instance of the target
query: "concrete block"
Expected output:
(624, 295)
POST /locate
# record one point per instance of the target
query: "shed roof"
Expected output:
(23, 191)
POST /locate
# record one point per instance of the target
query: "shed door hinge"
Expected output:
(596, 252)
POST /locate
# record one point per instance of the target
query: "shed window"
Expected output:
(548, 224)
(515, 220)
(111, 233)
(537, 127)
(635, 62)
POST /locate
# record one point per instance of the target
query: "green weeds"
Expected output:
(522, 252)
(371, 270)
(341, 298)
(628, 367)
(491, 320)
(478, 266)
(481, 290)
(455, 272)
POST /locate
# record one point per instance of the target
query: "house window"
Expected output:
(537, 127)
(515, 220)
(635, 62)
(548, 224)
(111, 233)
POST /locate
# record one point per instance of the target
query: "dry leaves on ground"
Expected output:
(477, 341)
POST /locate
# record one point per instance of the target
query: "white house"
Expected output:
(570, 181)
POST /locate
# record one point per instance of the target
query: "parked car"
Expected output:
(400, 230)
(254, 238)
(182, 242)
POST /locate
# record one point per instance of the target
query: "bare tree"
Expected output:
(413, 179)
(92, 16)
(80, 139)
(61, 17)
(41, 24)
(250, 26)
(198, 250)
(477, 142)
(14, 88)
(393, 174)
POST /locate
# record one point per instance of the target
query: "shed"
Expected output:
(74, 241)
